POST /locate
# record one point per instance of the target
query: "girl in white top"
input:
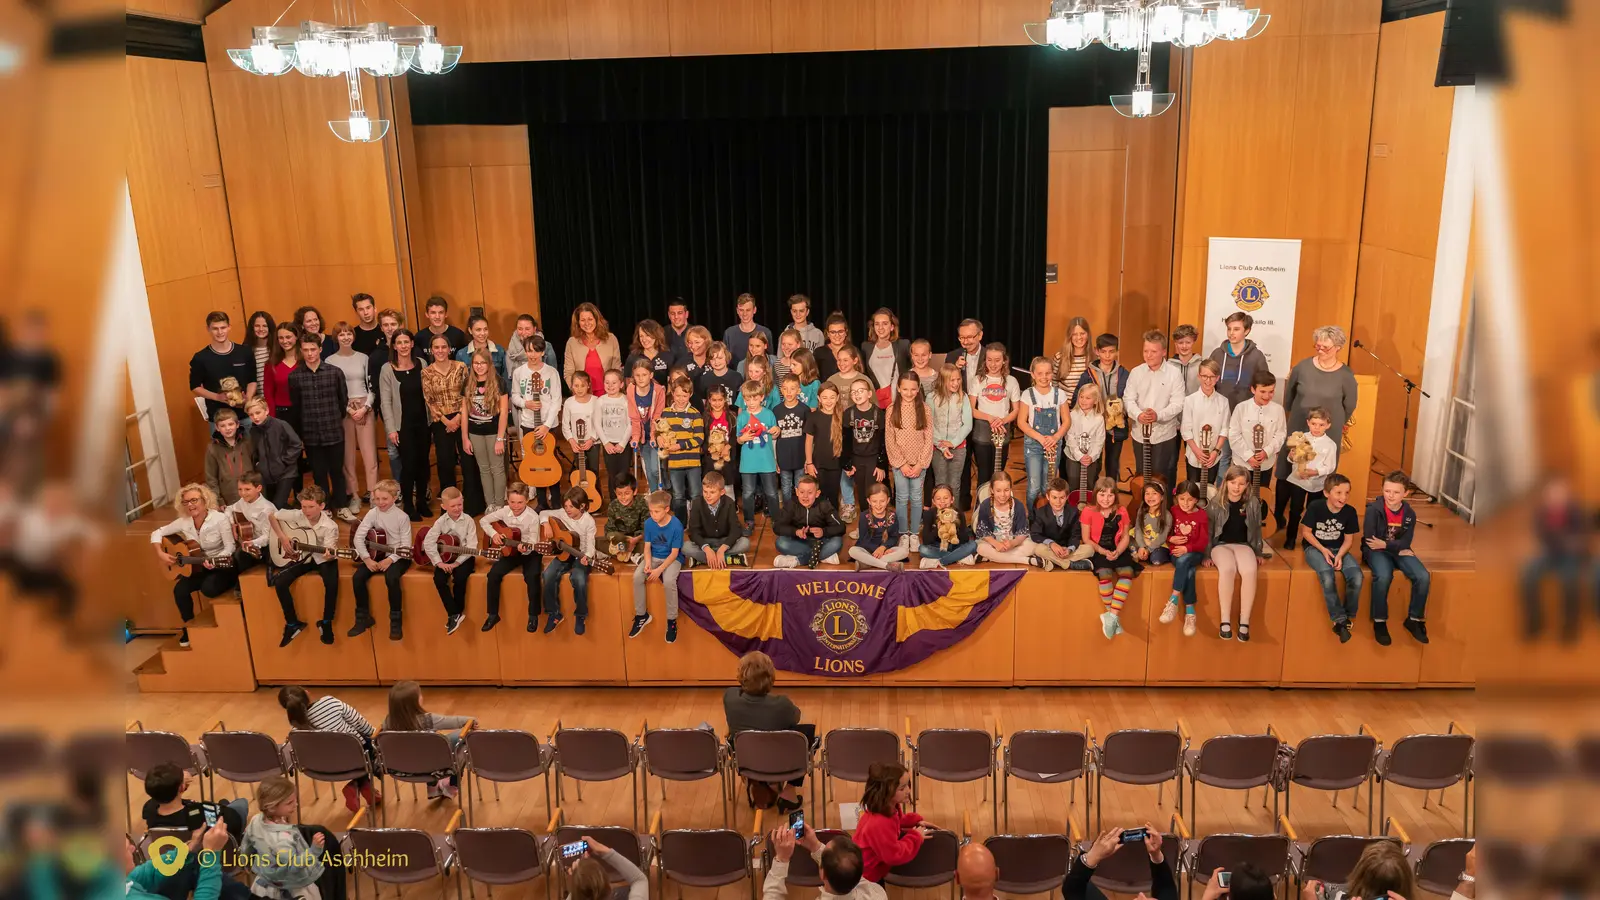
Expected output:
(614, 427)
(198, 520)
(360, 434)
(1042, 416)
(1086, 439)
(1204, 408)
(994, 408)
(582, 408)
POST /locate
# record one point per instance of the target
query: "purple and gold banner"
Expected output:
(842, 623)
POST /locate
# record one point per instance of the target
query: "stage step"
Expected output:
(217, 658)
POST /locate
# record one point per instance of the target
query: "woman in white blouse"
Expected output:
(200, 521)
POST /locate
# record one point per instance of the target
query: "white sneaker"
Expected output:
(1108, 624)
(908, 543)
(1169, 613)
(928, 562)
(855, 534)
(346, 515)
(1116, 623)
(848, 514)
(785, 562)
(969, 560)
(1045, 562)
(832, 560)
(1188, 625)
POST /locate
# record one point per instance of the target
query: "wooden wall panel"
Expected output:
(471, 145)
(346, 184)
(1328, 143)
(255, 156)
(905, 24)
(711, 27)
(187, 10)
(1001, 21)
(598, 29)
(503, 206)
(1083, 240)
(809, 25)
(501, 30)
(450, 224)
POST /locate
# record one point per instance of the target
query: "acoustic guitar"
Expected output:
(379, 546)
(1207, 489)
(1001, 435)
(563, 545)
(300, 542)
(450, 547)
(244, 533)
(540, 467)
(1258, 439)
(1137, 480)
(1083, 497)
(581, 476)
(189, 559)
(514, 544)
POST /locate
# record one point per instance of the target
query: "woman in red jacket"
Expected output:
(887, 835)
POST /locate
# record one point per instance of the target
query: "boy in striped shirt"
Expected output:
(682, 434)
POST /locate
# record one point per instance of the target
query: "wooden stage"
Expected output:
(1046, 633)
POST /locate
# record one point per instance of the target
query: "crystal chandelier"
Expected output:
(1139, 24)
(344, 49)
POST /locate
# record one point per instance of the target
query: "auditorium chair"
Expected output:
(1141, 756)
(1440, 864)
(803, 871)
(772, 757)
(1045, 757)
(1232, 762)
(412, 757)
(1332, 762)
(22, 753)
(499, 856)
(935, 862)
(848, 754)
(1518, 760)
(503, 756)
(147, 749)
(705, 857)
(400, 856)
(1331, 858)
(330, 756)
(954, 755)
(243, 757)
(1586, 757)
(1127, 869)
(1509, 865)
(596, 754)
(1267, 852)
(635, 848)
(684, 754)
(1428, 762)
(1030, 863)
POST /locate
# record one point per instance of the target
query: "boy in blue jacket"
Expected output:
(1386, 533)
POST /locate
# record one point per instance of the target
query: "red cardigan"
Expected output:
(886, 842)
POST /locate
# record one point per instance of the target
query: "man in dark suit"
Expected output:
(969, 355)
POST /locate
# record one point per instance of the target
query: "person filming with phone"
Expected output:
(1163, 885)
(1382, 873)
(590, 865)
(839, 861)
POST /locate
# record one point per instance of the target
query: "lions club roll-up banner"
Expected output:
(1260, 276)
(842, 623)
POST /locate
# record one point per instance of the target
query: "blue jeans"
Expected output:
(847, 492)
(1183, 569)
(1351, 570)
(801, 549)
(787, 479)
(1038, 474)
(394, 460)
(908, 502)
(765, 483)
(949, 557)
(651, 457)
(685, 487)
(1568, 573)
(1383, 563)
(553, 570)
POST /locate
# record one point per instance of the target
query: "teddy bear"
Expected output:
(947, 527)
(229, 387)
(664, 439)
(717, 448)
(1300, 451)
(1115, 417)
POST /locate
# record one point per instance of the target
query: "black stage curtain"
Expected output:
(915, 180)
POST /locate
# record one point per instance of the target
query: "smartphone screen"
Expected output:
(797, 822)
(1223, 878)
(574, 849)
(211, 815)
(1134, 835)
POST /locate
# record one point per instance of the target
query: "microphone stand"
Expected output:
(1405, 422)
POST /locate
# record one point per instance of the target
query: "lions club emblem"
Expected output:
(839, 625)
(1250, 294)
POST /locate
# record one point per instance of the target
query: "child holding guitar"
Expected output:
(383, 547)
(252, 522)
(1204, 428)
(310, 525)
(536, 397)
(570, 530)
(451, 567)
(200, 557)
(513, 529)
(580, 423)
(1084, 443)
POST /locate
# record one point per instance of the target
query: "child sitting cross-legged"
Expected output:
(947, 540)
(879, 546)
(713, 532)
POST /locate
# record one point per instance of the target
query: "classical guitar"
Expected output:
(189, 559)
(1137, 480)
(514, 544)
(300, 541)
(1082, 498)
(1001, 435)
(450, 547)
(1207, 489)
(379, 545)
(581, 476)
(539, 467)
(1258, 438)
(563, 545)
(244, 533)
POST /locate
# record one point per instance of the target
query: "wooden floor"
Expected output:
(1205, 712)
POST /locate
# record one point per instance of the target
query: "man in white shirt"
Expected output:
(200, 522)
(311, 516)
(518, 513)
(1203, 409)
(839, 862)
(1154, 399)
(392, 521)
(1258, 410)
(450, 573)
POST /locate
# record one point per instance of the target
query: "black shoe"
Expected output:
(551, 623)
(452, 623)
(672, 631)
(325, 631)
(290, 632)
(490, 623)
(533, 624)
(1342, 629)
(1418, 629)
(736, 559)
(415, 515)
(639, 622)
(1288, 542)
(394, 630)
(577, 624)
(1244, 632)
(1225, 632)
(1380, 630)
(362, 624)
(183, 638)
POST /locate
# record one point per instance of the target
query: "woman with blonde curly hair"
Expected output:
(592, 347)
(198, 520)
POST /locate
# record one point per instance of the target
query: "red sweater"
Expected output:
(1199, 531)
(886, 842)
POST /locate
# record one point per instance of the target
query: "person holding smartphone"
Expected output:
(839, 862)
(588, 877)
(1163, 886)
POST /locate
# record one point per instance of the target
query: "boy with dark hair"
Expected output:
(1240, 359)
(1112, 380)
(1258, 410)
(1329, 530)
(258, 511)
(625, 517)
(437, 309)
(1386, 535)
(165, 785)
(573, 516)
(312, 515)
(1054, 529)
(1184, 358)
(222, 359)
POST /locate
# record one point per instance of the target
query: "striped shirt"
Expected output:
(688, 430)
(332, 714)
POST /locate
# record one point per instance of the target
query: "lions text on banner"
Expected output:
(842, 623)
(1259, 276)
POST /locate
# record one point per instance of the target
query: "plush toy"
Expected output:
(947, 527)
(230, 389)
(1300, 449)
(664, 439)
(717, 448)
(1115, 417)
(619, 547)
